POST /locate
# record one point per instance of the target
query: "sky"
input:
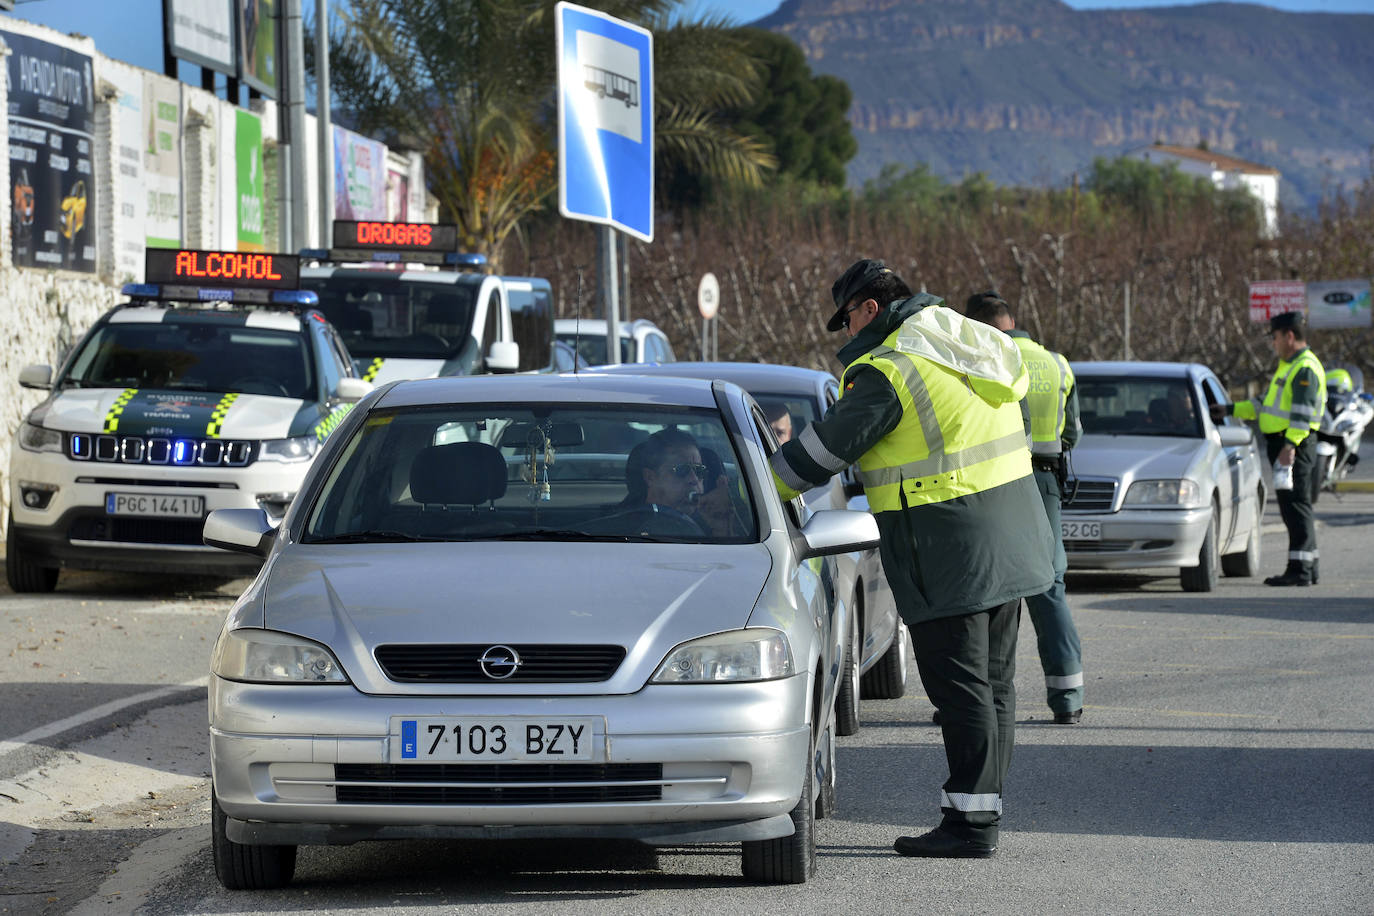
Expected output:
(109, 21)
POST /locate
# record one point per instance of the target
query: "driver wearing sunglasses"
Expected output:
(666, 471)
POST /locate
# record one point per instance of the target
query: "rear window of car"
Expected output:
(536, 471)
(1124, 406)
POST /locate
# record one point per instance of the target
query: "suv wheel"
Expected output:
(23, 574)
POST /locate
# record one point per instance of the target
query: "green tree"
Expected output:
(472, 83)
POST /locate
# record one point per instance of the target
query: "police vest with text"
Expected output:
(1051, 380)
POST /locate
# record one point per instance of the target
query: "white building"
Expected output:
(1226, 173)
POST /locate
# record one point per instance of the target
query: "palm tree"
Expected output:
(472, 84)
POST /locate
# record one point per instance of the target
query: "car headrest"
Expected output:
(460, 473)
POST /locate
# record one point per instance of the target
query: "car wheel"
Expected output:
(247, 868)
(22, 573)
(847, 700)
(1247, 562)
(1203, 577)
(826, 778)
(887, 679)
(787, 859)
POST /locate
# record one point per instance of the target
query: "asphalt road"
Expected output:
(1225, 764)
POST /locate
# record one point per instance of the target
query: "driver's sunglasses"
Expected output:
(682, 470)
(844, 316)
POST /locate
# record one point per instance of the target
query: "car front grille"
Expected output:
(462, 664)
(1090, 495)
(160, 450)
(1098, 546)
(180, 531)
(497, 783)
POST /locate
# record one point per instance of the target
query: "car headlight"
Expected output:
(35, 438)
(297, 448)
(1183, 493)
(269, 657)
(739, 655)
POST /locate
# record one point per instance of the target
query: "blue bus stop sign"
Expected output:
(605, 120)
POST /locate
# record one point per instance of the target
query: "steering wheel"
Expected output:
(652, 519)
(259, 384)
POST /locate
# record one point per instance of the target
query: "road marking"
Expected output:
(1191, 632)
(94, 713)
(1181, 712)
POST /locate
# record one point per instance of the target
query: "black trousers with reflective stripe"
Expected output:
(1295, 505)
(967, 665)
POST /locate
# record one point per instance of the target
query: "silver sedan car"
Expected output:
(791, 398)
(498, 608)
(1154, 482)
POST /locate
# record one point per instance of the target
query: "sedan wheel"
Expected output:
(847, 700)
(887, 679)
(247, 868)
(788, 859)
(1203, 577)
(1247, 562)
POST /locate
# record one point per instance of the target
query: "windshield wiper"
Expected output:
(567, 534)
(361, 537)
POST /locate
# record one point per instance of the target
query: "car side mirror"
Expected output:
(831, 531)
(504, 356)
(352, 390)
(1233, 436)
(244, 530)
(36, 376)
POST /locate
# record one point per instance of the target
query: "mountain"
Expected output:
(1030, 91)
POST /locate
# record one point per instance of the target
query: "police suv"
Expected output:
(410, 306)
(212, 388)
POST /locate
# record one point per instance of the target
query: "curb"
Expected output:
(1354, 486)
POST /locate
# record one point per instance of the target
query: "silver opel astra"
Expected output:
(533, 607)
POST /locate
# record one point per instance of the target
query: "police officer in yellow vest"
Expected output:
(1053, 402)
(929, 410)
(1288, 417)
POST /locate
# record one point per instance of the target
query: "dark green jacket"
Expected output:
(943, 559)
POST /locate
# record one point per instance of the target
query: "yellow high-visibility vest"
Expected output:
(1277, 413)
(1051, 380)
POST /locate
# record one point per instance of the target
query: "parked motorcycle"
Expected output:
(1349, 408)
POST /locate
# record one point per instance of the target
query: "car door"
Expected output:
(1241, 469)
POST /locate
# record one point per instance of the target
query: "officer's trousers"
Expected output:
(1061, 655)
(967, 664)
(1295, 505)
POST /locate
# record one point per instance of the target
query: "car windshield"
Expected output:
(380, 315)
(536, 472)
(1122, 406)
(592, 347)
(191, 353)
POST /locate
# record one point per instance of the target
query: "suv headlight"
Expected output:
(35, 438)
(269, 657)
(739, 655)
(297, 448)
(1183, 493)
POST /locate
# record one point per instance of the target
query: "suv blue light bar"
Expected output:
(289, 297)
(315, 254)
(466, 260)
(295, 297)
(141, 290)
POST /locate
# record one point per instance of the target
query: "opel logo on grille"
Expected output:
(499, 662)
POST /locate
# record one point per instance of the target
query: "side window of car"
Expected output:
(491, 326)
(336, 345)
(1211, 391)
(793, 507)
(666, 348)
(330, 370)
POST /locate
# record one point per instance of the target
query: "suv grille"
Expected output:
(1091, 495)
(496, 783)
(133, 530)
(461, 664)
(181, 452)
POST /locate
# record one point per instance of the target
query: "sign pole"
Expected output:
(610, 294)
(324, 129)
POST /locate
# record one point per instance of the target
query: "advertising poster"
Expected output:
(359, 177)
(162, 162)
(52, 187)
(248, 162)
(397, 196)
(1274, 297)
(257, 25)
(128, 168)
(202, 32)
(1338, 304)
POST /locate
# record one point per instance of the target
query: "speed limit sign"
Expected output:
(708, 296)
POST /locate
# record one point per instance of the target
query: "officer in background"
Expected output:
(1053, 402)
(929, 408)
(1288, 417)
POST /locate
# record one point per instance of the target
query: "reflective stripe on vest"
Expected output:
(948, 442)
(1277, 412)
(1048, 396)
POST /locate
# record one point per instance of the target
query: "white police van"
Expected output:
(212, 388)
(435, 317)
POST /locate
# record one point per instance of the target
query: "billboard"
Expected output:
(1338, 304)
(162, 162)
(359, 177)
(257, 29)
(1274, 297)
(202, 32)
(249, 196)
(51, 123)
(128, 168)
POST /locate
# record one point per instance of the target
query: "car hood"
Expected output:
(139, 412)
(1130, 458)
(647, 598)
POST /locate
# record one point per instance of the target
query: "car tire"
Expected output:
(787, 859)
(247, 868)
(1203, 576)
(23, 574)
(1246, 563)
(847, 697)
(886, 680)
